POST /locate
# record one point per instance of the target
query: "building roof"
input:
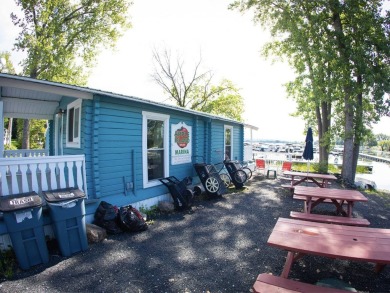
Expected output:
(23, 96)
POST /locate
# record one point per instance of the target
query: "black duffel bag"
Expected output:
(106, 216)
(131, 220)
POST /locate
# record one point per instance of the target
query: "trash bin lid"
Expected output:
(63, 194)
(20, 201)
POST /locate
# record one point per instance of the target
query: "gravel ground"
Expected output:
(218, 246)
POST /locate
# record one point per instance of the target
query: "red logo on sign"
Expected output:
(182, 137)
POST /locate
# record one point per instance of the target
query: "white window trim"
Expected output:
(165, 119)
(76, 143)
(231, 139)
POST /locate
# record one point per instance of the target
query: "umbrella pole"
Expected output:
(308, 168)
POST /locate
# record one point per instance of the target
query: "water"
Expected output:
(380, 175)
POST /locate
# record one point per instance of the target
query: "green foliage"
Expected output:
(224, 100)
(314, 168)
(63, 37)
(37, 133)
(8, 67)
(7, 263)
(150, 212)
(384, 145)
(319, 168)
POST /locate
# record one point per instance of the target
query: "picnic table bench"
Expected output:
(266, 283)
(330, 219)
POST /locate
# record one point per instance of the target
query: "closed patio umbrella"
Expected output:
(308, 151)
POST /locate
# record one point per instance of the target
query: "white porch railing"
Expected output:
(25, 153)
(20, 175)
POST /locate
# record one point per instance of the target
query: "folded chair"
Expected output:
(286, 166)
(260, 165)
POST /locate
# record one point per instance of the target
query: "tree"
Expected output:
(196, 92)
(382, 136)
(63, 37)
(6, 65)
(340, 52)
(384, 145)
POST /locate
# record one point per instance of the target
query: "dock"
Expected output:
(375, 158)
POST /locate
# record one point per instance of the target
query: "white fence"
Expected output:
(42, 173)
(25, 153)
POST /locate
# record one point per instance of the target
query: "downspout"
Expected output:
(1, 129)
(61, 144)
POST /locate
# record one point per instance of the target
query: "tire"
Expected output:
(225, 179)
(240, 176)
(212, 184)
(189, 196)
(248, 172)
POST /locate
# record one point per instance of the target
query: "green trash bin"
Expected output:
(67, 212)
(23, 218)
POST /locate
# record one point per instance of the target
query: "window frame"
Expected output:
(75, 143)
(165, 119)
(231, 140)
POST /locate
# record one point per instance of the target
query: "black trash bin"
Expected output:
(210, 179)
(23, 218)
(67, 211)
(182, 195)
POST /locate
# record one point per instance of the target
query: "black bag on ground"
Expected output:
(106, 216)
(131, 220)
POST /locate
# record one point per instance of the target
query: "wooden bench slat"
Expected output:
(330, 219)
(302, 197)
(266, 283)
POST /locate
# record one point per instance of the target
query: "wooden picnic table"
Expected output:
(314, 196)
(321, 180)
(329, 240)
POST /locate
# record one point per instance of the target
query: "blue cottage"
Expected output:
(117, 146)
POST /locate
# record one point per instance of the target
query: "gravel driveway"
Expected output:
(218, 246)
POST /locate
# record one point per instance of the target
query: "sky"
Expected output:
(228, 42)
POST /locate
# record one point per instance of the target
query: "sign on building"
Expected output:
(181, 143)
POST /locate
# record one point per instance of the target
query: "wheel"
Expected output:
(248, 172)
(189, 196)
(212, 184)
(225, 179)
(240, 176)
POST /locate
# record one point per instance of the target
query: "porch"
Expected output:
(25, 171)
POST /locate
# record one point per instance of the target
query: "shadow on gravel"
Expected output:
(218, 246)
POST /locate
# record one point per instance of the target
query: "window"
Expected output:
(155, 138)
(73, 124)
(228, 142)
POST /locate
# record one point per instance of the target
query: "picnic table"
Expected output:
(329, 240)
(313, 196)
(321, 180)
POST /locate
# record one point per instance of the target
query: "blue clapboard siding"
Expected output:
(111, 139)
(217, 150)
(238, 146)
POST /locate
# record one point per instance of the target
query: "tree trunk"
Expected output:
(325, 142)
(26, 134)
(10, 121)
(358, 125)
(347, 170)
